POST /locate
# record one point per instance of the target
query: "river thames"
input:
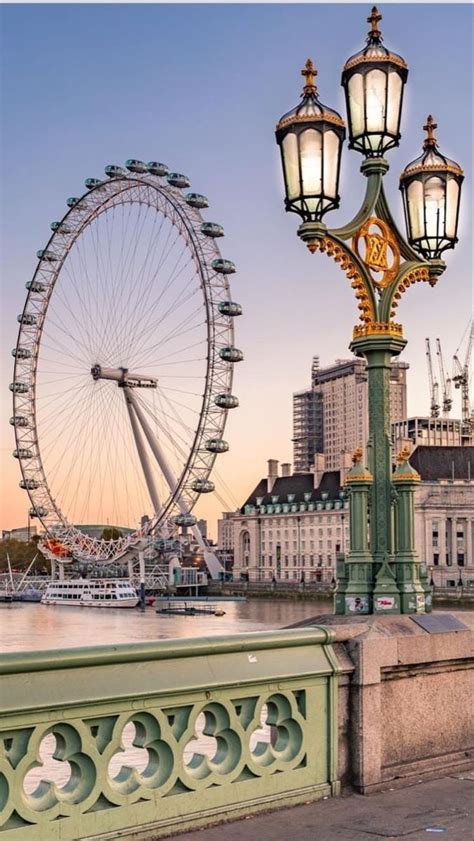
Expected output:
(36, 626)
(29, 627)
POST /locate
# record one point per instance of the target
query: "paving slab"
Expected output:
(435, 809)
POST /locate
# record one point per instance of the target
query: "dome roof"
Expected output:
(374, 51)
(431, 160)
(310, 109)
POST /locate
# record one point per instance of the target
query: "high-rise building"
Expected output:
(332, 416)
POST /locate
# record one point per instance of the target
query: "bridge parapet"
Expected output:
(134, 741)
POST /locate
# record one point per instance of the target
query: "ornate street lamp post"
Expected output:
(381, 572)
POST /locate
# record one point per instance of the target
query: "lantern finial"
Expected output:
(309, 72)
(374, 20)
(430, 127)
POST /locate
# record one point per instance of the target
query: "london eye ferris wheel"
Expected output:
(123, 364)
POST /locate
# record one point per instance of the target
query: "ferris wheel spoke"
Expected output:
(151, 310)
(84, 327)
(152, 282)
(176, 333)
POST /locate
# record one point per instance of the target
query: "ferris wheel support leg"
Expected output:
(131, 407)
(213, 564)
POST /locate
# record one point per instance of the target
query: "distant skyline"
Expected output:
(201, 87)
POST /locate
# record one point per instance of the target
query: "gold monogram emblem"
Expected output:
(381, 253)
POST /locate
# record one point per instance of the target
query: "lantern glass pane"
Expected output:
(311, 162)
(290, 160)
(393, 101)
(331, 158)
(452, 198)
(415, 209)
(356, 104)
(435, 206)
(375, 85)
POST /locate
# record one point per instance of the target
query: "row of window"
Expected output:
(286, 561)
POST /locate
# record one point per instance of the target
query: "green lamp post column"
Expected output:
(407, 563)
(354, 595)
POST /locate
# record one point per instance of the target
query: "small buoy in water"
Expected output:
(219, 612)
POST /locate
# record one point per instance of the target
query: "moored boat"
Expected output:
(91, 593)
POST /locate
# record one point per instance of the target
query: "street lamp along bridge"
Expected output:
(381, 573)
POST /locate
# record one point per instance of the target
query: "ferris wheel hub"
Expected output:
(123, 377)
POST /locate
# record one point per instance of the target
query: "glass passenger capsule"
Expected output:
(223, 266)
(155, 168)
(93, 182)
(203, 486)
(44, 254)
(21, 353)
(29, 485)
(196, 200)
(26, 318)
(35, 286)
(212, 229)
(114, 171)
(176, 179)
(231, 354)
(19, 388)
(217, 445)
(60, 227)
(185, 520)
(72, 201)
(229, 308)
(226, 401)
(22, 452)
(19, 420)
(135, 166)
(39, 511)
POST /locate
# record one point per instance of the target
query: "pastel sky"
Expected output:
(201, 88)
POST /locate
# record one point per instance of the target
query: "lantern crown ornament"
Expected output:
(431, 190)
(310, 138)
(373, 81)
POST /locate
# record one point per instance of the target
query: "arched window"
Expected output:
(245, 547)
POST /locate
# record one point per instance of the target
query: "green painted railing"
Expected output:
(266, 704)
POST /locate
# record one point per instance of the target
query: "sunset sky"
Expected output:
(201, 88)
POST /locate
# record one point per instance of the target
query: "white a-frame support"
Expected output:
(137, 420)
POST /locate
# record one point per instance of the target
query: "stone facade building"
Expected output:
(444, 512)
(292, 525)
(332, 415)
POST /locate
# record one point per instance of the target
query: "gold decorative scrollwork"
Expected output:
(415, 276)
(382, 254)
(349, 266)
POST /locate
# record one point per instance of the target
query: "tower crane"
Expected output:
(445, 381)
(461, 378)
(434, 387)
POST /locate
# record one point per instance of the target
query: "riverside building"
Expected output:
(292, 525)
(332, 416)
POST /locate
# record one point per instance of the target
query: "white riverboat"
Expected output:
(91, 592)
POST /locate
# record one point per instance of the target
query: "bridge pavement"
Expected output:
(435, 809)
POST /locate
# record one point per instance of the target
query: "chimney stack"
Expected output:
(286, 469)
(345, 465)
(272, 473)
(318, 468)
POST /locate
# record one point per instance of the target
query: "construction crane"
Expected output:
(461, 376)
(445, 381)
(434, 387)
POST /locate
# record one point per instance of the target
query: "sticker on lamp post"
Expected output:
(385, 603)
(357, 604)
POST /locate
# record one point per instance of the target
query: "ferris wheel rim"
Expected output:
(217, 371)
